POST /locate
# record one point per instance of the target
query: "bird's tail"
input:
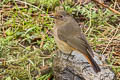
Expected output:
(93, 63)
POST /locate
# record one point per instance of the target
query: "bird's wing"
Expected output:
(86, 44)
(72, 38)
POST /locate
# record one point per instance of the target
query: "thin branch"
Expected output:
(28, 4)
(113, 10)
(110, 41)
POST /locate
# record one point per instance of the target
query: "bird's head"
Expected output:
(61, 16)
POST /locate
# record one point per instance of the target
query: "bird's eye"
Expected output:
(61, 16)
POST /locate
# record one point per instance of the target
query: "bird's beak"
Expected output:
(52, 15)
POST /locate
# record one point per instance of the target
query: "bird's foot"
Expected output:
(70, 56)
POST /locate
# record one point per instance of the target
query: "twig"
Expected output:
(110, 41)
(42, 41)
(22, 45)
(113, 10)
(28, 4)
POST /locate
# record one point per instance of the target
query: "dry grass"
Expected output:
(26, 43)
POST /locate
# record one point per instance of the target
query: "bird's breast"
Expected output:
(63, 46)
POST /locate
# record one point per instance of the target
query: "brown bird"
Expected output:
(69, 37)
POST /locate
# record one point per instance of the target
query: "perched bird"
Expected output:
(69, 37)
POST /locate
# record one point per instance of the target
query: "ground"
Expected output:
(27, 45)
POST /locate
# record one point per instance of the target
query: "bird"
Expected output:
(69, 37)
